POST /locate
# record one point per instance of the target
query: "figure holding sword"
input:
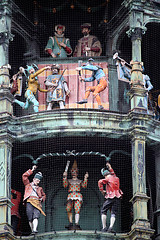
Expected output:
(59, 88)
(74, 199)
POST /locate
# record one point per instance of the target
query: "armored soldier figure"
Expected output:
(59, 88)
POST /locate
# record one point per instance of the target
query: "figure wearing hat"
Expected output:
(74, 199)
(99, 75)
(88, 45)
(112, 195)
(33, 197)
(33, 86)
(60, 89)
(58, 46)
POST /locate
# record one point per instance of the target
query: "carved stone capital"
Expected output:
(139, 197)
(136, 33)
(5, 37)
(138, 134)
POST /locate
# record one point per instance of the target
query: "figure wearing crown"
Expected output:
(33, 86)
(74, 199)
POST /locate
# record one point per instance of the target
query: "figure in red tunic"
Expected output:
(74, 199)
(15, 216)
(33, 196)
(112, 194)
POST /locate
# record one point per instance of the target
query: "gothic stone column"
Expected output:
(136, 37)
(5, 184)
(138, 94)
(141, 225)
(157, 171)
(5, 36)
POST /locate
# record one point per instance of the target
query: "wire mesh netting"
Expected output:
(45, 15)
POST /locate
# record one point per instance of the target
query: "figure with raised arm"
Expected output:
(33, 86)
(112, 194)
(58, 46)
(97, 74)
(33, 197)
(125, 73)
(74, 199)
(146, 81)
(59, 88)
(88, 45)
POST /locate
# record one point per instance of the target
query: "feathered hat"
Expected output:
(104, 172)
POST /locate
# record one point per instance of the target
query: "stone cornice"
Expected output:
(80, 122)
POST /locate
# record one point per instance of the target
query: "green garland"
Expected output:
(71, 153)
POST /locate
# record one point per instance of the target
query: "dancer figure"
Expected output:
(112, 195)
(33, 197)
(74, 199)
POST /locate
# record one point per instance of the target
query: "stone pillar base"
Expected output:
(140, 224)
(141, 230)
(139, 100)
(6, 235)
(5, 214)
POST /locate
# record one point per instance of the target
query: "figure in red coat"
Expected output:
(15, 216)
(112, 194)
(33, 197)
